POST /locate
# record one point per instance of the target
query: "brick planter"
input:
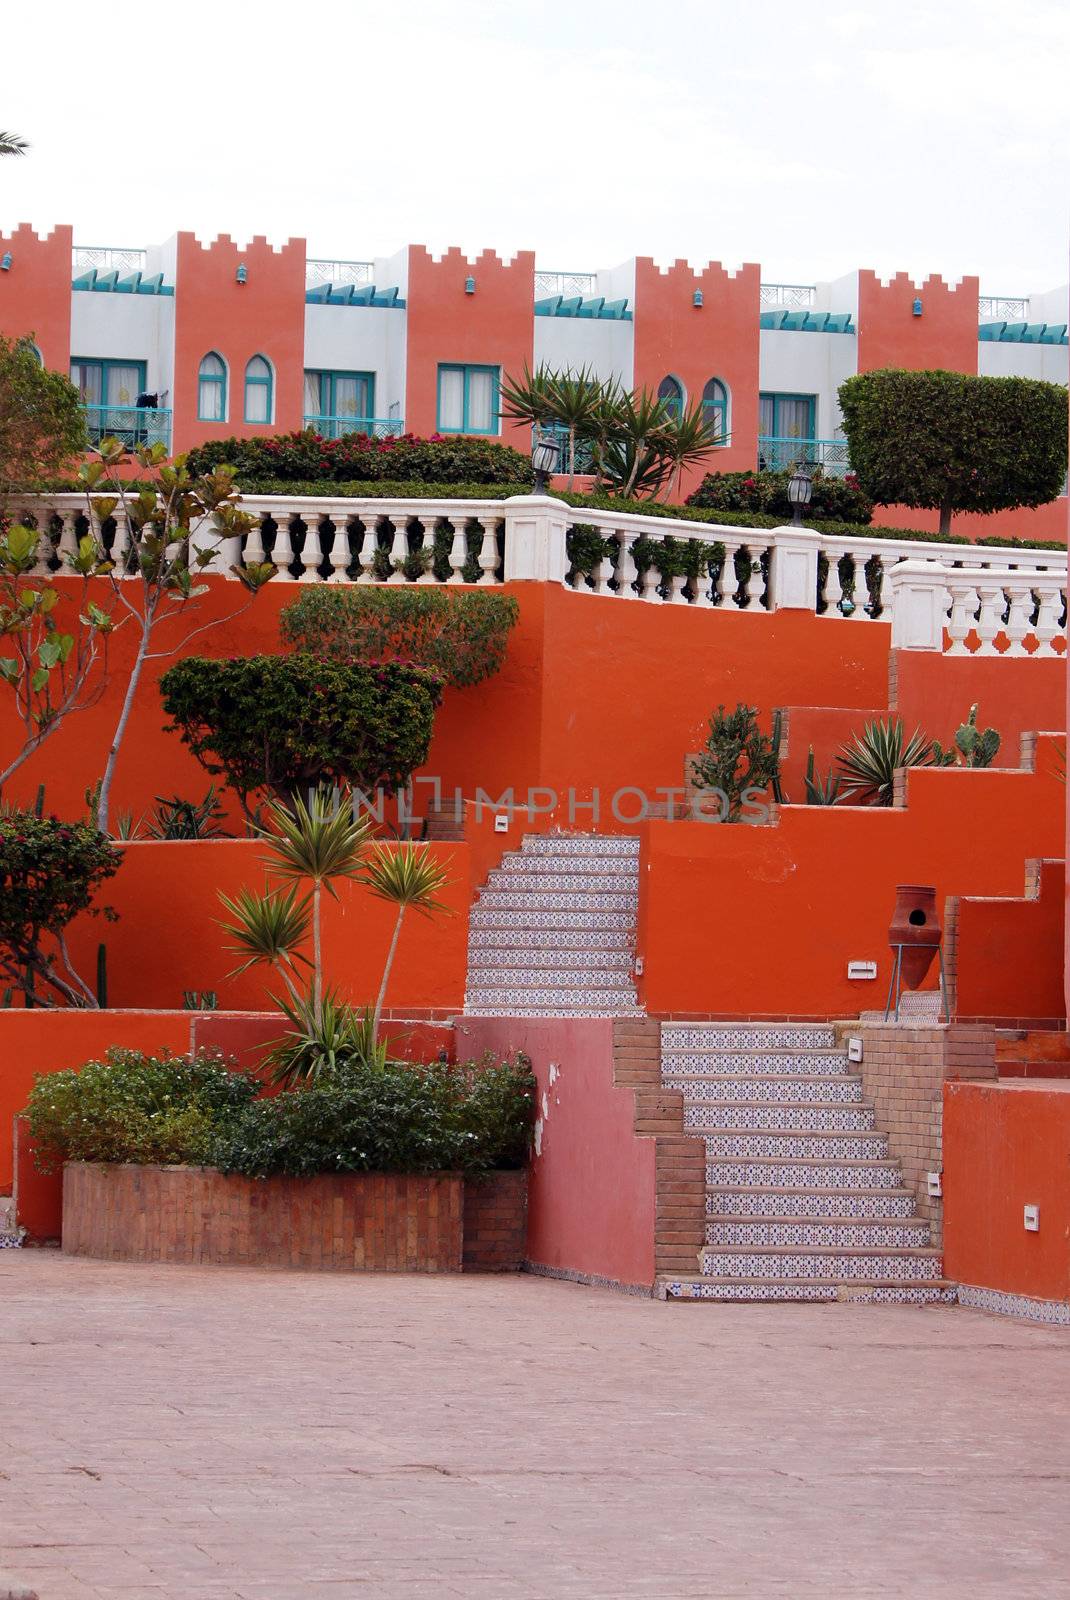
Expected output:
(359, 1222)
(496, 1222)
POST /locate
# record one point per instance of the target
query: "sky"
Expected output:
(812, 139)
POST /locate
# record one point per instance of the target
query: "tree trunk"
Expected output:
(386, 974)
(317, 956)
(120, 727)
(945, 517)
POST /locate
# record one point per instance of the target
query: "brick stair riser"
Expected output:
(865, 1294)
(800, 1175)
(753, 1118)
(766, 1091)
(748, 1036)
(817, 1063)
(550, 921)
(515, 880)
(793, 1267)
(485, 962)
(808, 1203)
(508, 937)
(552, 996)
(802, 1146)
(520, 900)
(814, 1235)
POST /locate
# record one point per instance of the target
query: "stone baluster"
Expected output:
(458, 551)
(700, 587)
(990, 621)
(312, 549)
(1020, 617)
(626, 570)
(604, 570)
(755, 585)
(677, 597)
(253, 554)
(43, 550)
(427, 527)
(488, 550)
(339, 547)
(368, 551)
(877, 586)
(650, 582)
(833, 586)
(283, 551)
(861, 587)
(399, 549)
(963, 605)
(68, 539)
(120, 543)
(1047, 627)
(727, 583)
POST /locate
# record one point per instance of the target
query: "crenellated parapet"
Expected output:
(35, 289)
(917, 325)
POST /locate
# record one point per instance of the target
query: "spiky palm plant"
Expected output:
(268, 929)
(870, 761)
(686, 439)
(576, 398)
(410, 878)
(12, 145)
(633, 462)
(320, 1039)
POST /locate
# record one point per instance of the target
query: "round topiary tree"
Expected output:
(951, 442)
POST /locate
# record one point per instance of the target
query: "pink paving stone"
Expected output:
(224, 1434)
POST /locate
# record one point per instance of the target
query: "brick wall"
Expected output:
(904, 1071)
(496, 1222)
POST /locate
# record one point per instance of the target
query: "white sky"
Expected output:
(813, 138)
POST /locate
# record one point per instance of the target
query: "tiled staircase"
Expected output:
(802, 1199)
(553, 931)
(10, 1233)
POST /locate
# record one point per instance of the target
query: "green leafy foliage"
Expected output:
(870, 761)
(953, 442)
(280, 725)
(368, 1116)
(832, 500)
(820, 791)
(974, 748)
(187, 819)
(306, 457)
(737, 757)
(42, 424)
(461, 637)
(136, 1107)
(321, 1037)
(50, 872)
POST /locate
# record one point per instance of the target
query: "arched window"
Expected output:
(715, 410)
(212, 389)
(258, 390)
(671, 390)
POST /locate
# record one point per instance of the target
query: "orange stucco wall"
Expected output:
(718, 339)
(1006, 1146)
(1010, 955)
(1039, 522)
(493, 327)
(763, 920)
(890, 335)
(35, 292)
(591, 1195)
(265, 316)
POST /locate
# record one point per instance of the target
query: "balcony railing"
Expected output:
(1005, 308)
(106, 258)
(787, 296)
(131, 425)
(375, 427)
(339, 272)
(781, 454)
(567, 284)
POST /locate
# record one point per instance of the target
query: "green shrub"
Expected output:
(280, 725)
(306, 457)
(737, 757)
(397, 1117)
(460, 636)
(135, 1107)
(49, 873)
(832, 499)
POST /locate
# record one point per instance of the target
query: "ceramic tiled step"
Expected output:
(810, 1203)
(787, 1089)
(936, 1291)
(787, 1144)
(837, 1266)
(753, 1063)
(486, 960)
(762, 1173)
(547, 921)
(507, 936)
(513, 899)
(514, 878)
(593, 868)
(809, 1233)
(749, 1117)
(519, 1009)
(747, 1036)
(507, 1000)
(580, 844)
(550, 977)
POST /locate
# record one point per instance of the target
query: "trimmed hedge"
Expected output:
(835, 499)
(306, 457)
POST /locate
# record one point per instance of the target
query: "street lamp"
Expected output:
(544, 454)
(800, 488)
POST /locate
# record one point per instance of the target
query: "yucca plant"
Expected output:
(269, 929)
(685, 439)
(320, 1039)
(871, 759)
(528, 398)
(632, 461)
(410, 878)
(820, 791)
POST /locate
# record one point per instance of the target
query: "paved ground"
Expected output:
(215, 1433)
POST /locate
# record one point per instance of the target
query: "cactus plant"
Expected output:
(975, 748)
(820, 791)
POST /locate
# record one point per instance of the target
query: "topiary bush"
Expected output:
(50, 872)
(307, 457)
(281, 725)
(132, 1106)
(459, 635)
(832, 499)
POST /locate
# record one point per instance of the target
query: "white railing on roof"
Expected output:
(106, 258)
(566, 284)
(989, 600)
(1002, 308)
(787, 296)
(339, 272)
